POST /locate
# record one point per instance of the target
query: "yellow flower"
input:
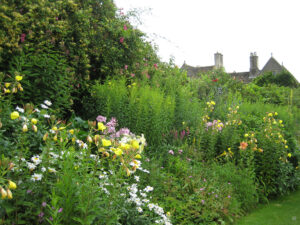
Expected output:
(270, 114)
(6, 91)
(106, 143)
(289, 155)
(34, 128)
(54, 128)
(25, 128)
(19, 78)
(246, 135)
(135, 144)
(7, 85)
(138, 156)
(3, 193)
(45, 137)
(89, 139)
(12, 185)
(212, 102)
(118, 152)
(9, 194)
(286, 146)
(71, 131)
(276, 114)
(101, 126)
(124, 146)
(55, 138)
(34, 121)
(14, 115)
(61, 128)
(101, 149)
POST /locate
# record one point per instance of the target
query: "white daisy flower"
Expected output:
(148, 189)
(36, 177)
(43, 169)
(21, 110)
(44, 106)
(36, 159)
(47, 116)
(139, 209)
(47, 102)
(31, 166)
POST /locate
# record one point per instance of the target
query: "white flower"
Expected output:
(31, 166)
(47, 116)
(21, 110)
(36, 159)
(145, 200)
(48, 103)
(43, 169)
(148, 189)
(55, 156)
(137, 178)
(37, 110)
(143, 194)
(36, 177)
(139, 209)
(151, 206)
(44, 106)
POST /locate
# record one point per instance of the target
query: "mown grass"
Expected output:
(283, 211)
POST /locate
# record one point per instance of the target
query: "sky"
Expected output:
(193, 30)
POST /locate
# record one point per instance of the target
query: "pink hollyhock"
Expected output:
(126, 67)
(23, 36)
(121, 39)
(155, 65)
(125, 27)
(132, 74)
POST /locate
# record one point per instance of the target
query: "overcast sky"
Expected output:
(193, 30)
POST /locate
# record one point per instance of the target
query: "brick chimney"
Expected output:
(218, 60)
(253, 65)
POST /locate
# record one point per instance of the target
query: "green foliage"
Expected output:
(284, 78)
(46, 77)
(142, 109)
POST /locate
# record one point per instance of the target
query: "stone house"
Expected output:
(271, 66)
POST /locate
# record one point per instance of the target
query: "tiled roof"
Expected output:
(242, 76)
(273, 66)
(194, 71)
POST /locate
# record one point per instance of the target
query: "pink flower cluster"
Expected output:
(111, 127)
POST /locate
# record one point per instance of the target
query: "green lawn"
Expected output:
(283, 211)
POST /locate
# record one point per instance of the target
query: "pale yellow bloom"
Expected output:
(106, 143)
(34, 121)
(19, 78)
(14, 115)
(12, 185)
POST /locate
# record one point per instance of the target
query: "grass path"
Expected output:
(283, 211)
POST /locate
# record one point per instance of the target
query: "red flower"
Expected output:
(215, 80)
